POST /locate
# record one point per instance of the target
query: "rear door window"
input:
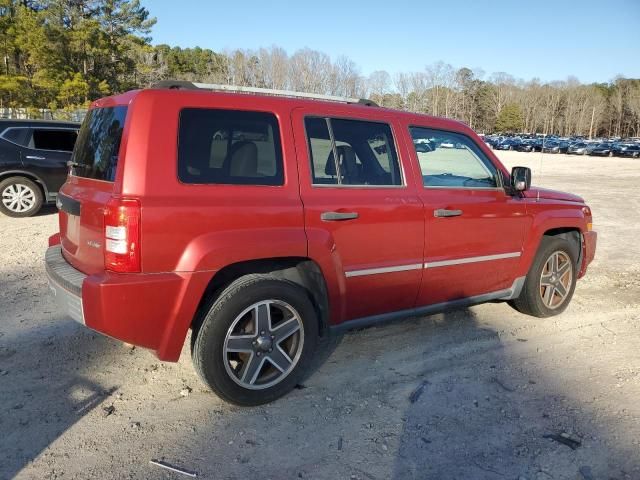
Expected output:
(53, 139)
(229, 147)
(366, 153)
(98, 145)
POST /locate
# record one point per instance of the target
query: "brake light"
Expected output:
(122, 235)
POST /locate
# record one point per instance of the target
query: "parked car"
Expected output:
(578, 148)
(602, 150)
(508, 144)
(33, 163)
(235, 215)
(626, 150)
(555, 147)
(524, 146)
(537, 145)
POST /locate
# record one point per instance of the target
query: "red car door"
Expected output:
(474, 229)
(363, 218)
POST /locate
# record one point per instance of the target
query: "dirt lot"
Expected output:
(74, 404)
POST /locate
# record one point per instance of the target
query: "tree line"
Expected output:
(61, 54)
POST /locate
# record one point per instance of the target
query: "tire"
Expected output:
(236, 348)
(544, 301)
(20, 197)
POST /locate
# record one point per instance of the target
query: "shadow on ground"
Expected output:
(40, 396)
(440, 397)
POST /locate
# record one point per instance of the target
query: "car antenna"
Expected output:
(540, 165)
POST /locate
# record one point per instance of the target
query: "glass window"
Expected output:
(321, 151)
(61, 140)
(450, 159)
(366, 153)
(16, 135)
(98, 144)
(229, 147)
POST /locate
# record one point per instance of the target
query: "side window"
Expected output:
(449, 159)
(229, 147)
(352, 152)
(61, 140)
(17, 135)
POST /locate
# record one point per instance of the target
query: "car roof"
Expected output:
(6, 123)
(264, 101)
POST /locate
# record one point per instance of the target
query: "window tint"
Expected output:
(229, 147)
(98, 144)
(62, 140)
(449, 159)
(16, 135)
(366, 153)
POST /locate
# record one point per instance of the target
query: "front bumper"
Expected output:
(65, 282)
(590, 239)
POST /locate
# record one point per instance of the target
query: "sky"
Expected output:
(592, 40)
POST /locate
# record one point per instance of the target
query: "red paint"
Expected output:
(187, 233)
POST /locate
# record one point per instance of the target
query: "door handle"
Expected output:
(441, 212)
(338, 216)
(34, 157)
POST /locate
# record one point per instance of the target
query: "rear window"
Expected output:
(229, 147)
(96, 152)
(54, 139)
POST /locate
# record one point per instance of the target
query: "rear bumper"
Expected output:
(152, 311)
(65, 282)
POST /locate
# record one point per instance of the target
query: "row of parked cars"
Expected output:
(574, 145)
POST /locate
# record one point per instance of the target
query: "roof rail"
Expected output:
(184, 85)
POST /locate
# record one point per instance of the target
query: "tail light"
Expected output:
(122, 235)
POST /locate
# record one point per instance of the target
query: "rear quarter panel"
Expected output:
(191, 228)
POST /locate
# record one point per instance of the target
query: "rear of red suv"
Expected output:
(95, 264)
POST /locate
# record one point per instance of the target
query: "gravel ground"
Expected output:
(470, 394)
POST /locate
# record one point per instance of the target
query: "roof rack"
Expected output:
(184, 85)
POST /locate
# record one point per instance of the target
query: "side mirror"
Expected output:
(520, 179)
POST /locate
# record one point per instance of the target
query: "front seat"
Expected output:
(350, 171)
(242, 160)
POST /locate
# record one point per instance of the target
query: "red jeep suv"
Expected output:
(266, 220)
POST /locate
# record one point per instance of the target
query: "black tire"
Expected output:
(530, 301)
(211, 361)
(12, 185)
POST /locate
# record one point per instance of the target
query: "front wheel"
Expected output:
(257, 340)
(551, 281)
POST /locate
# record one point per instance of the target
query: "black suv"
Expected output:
(33, 163)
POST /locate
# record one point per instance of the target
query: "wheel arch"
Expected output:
(573, 236)
(302, 271)
(21, 173)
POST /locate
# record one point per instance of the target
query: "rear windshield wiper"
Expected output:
(73, 164)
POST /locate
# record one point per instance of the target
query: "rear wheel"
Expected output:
(257, 340)
(551, 280)
(20, 197)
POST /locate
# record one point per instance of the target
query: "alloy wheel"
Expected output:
(263, 344)
(18, 198)
(555, 279)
